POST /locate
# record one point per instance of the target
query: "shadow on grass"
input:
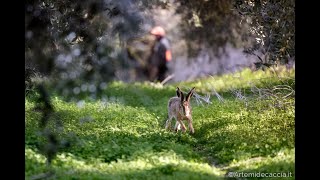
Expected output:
(169, 171)
(113, 146)
(123, 161)
(223, 141)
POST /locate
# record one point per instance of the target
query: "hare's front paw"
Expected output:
(192, 131)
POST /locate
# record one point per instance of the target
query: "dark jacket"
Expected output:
(158, 57)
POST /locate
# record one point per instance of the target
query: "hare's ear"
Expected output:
(178, 92)
(190, 94)
(181, 96)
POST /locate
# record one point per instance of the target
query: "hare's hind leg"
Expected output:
(190, 125)
(178, 124)
(177, 127)
(168, 122)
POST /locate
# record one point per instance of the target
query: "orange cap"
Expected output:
(158, 30)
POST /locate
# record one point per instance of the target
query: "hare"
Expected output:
(180, 109)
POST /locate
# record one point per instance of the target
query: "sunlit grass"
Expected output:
(244, 79)
(122, 136)
(162, 165)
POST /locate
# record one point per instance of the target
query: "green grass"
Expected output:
(123, 137)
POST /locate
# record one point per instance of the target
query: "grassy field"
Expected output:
(250, 130)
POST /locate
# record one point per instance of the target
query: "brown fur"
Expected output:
(180, 109)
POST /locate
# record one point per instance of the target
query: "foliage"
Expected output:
(73, 42)
(273, 25)
(210, 24)
(122, 136)
(261, 27)
(83, 42)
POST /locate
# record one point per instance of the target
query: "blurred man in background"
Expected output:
(160, 55)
